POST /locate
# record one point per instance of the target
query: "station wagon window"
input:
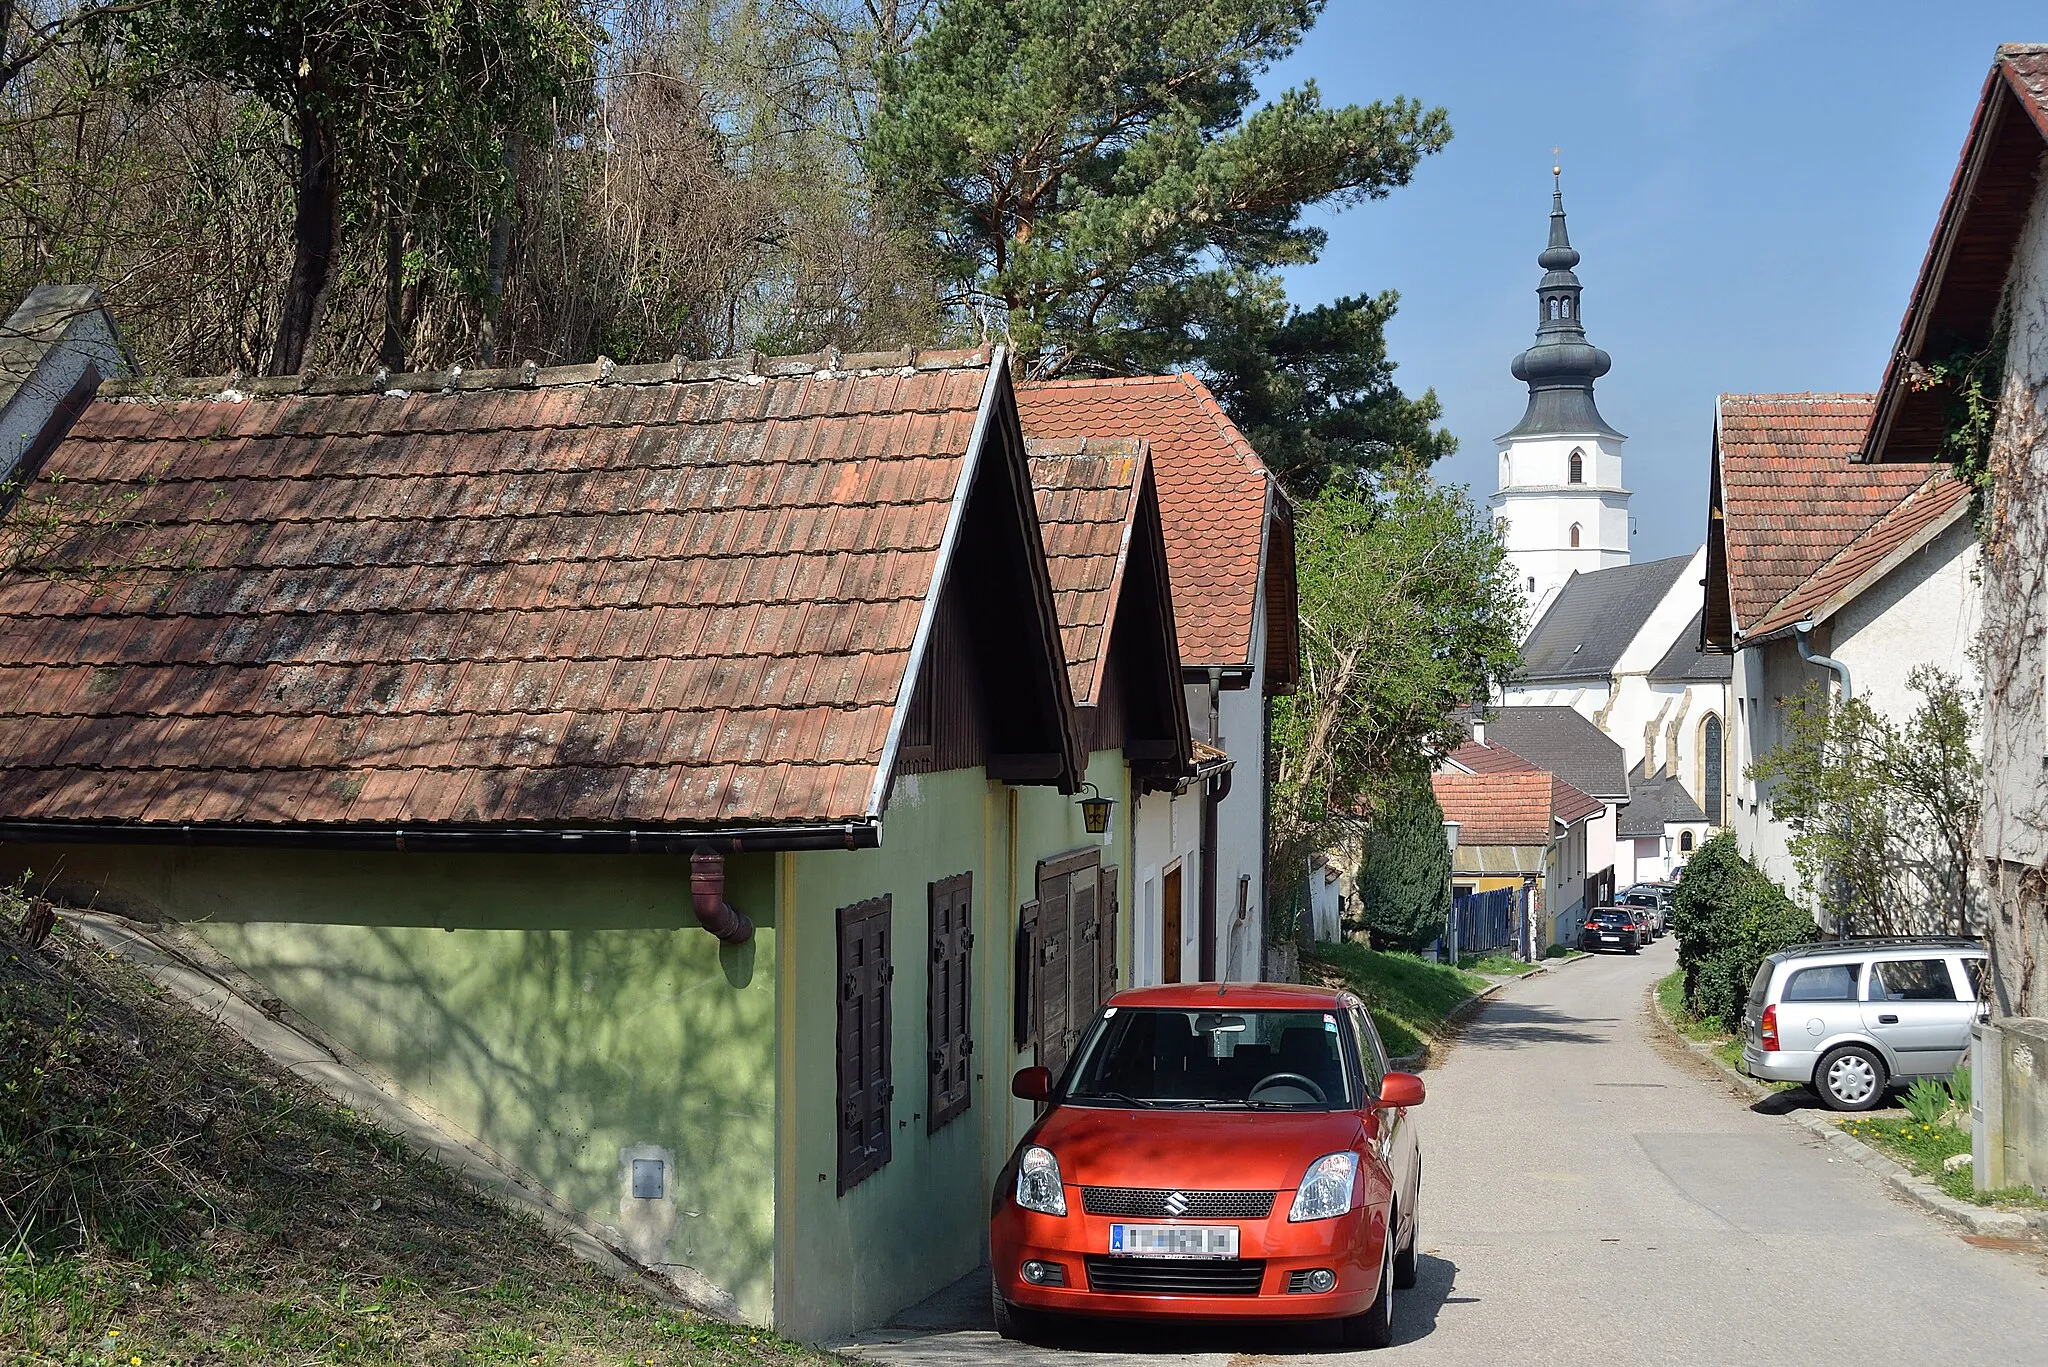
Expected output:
(1911, 980)
(1826, 983)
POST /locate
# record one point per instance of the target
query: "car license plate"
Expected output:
(1610, 939)
(1173, 1241)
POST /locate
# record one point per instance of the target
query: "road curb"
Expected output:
(1415, 1063)
(1900, 1178)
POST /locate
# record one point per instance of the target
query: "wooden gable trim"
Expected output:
(1145, 646)
(1281, 596)
(1956, 296)
(1019, 721)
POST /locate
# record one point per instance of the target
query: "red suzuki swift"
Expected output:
(1215, 1151)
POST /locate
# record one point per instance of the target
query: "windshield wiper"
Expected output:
(1111, 1096)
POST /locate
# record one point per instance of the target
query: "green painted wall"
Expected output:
(922, 1221)
(557, 1008)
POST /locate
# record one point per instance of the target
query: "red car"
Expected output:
(1214, 1151)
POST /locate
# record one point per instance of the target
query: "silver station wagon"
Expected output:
(1852, 1017)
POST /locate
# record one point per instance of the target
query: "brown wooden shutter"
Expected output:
(949, 1034)
(1050, 973)
(865, 1090)
(1084, 976)
(1107, 900)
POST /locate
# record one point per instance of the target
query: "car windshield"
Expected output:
(1214, 1060)
(1610, 918)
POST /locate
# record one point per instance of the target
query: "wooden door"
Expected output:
(1169, 927)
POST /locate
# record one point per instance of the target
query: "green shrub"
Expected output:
(1556, 952)
(1404, 876)
(1729, 918)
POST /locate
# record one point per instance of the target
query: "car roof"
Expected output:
(1878, 943)
(1248, 996)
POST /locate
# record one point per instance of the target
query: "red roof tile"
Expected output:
(1790, 497)
(1213, 493)
(1087, 495)
(1906, 528)
(661, 603)
(1567, 803)
(1509, 808)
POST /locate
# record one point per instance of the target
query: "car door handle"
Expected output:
(1887, 1019)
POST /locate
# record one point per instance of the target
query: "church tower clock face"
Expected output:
(1561, 503)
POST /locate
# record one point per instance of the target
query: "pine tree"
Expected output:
(1404, 879)
(1106, 188)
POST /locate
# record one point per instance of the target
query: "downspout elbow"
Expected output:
(1841, 670)
(707, 895)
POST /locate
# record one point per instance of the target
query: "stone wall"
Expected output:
(2009, 1103)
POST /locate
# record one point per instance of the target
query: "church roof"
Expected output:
(1594, 618)
(1653, 801)
(1685, 662)
(1564, 742)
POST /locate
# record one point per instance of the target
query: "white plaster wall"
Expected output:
(1600, 840)
(1765, 676)
(1927, 611)
(1536, 506)
(1169, 828)
(1240, 831)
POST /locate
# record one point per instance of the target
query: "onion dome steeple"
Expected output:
(1561, 367)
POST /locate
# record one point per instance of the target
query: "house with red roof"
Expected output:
(1521, 827)
(671, 777)
(1980, 304)
(1229, 539)
(1823, 570)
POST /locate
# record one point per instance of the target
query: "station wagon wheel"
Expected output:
(1850, 1078)
(1375, 1328)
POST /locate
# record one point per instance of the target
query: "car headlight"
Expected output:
(1326, 1191)
(1038, 1182)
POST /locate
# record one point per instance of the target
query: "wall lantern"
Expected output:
(1095, 810)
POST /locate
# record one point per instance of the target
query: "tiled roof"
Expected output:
(1489, 761)
(1212, 494)
(1685, 662)
(1791, 498)
(1594, 619)
(1510, 808)
(1657, 799)
(1087, 494)
(1906, 528)
(671, 596)
(1558, 739)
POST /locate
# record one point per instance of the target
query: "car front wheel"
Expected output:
(1015, 1322)
(1850, 1078)
(1375, 1328)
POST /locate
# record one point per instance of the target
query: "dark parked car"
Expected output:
(1610, 928)
(1653, 905)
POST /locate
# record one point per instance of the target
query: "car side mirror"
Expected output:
(1032, 1084)
(1397, 1090)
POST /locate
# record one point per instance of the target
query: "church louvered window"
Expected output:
(1575, 534)
(1578, 470)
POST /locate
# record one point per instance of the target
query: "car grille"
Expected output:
(1150, 1203)
(1176, 1276)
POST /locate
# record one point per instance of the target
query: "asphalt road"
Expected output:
(1596, 1195)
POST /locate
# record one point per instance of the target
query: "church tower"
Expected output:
(1561, 502)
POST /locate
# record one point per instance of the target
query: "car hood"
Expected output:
(1203, 1150)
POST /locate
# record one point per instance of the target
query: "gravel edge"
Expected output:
(1900, 1178)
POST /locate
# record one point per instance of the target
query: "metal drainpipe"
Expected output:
(1841, 671)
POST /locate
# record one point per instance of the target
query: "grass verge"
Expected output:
(1409, 996)
(169, 1197)
(1495, 965)
(1706, 1030)
(1926, 1149)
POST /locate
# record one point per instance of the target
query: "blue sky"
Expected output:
(1752, 185)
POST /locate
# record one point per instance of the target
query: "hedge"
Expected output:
(1729, 918)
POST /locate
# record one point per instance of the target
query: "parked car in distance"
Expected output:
(1851, 1017)
(1652, 902)
(1610, 928)
(1235, 1151)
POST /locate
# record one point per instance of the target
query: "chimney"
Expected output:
(1478, 730)
(54, 351)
